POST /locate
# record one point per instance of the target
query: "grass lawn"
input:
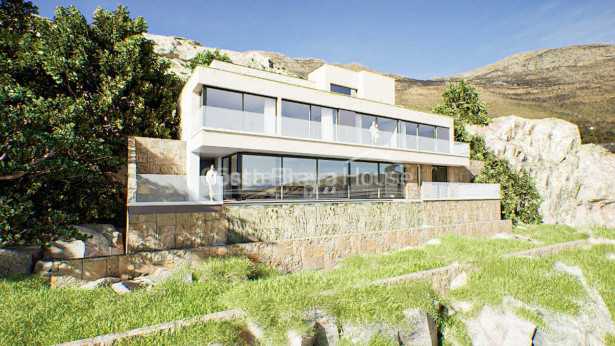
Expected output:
(33, 313)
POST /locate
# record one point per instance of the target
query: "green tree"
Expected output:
(462, 102)
(520, 199)
(205, 58)
(71, 93)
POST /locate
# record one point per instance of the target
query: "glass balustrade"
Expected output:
(433, 190)
(228, 119)
(154, 188)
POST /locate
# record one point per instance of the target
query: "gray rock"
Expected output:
(576, 181)
(65, 250)
(163, 274)
(108, 231)
(459, 281)
(297, 339)
(361, 334)
(100, 283)
(493, 327)
(120, 288)
(18, 260)
(422, 329)
(589, 327)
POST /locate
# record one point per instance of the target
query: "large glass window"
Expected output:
(411, 135)
(370, 133)
(388, 132)
(443, 142)
(299, 178)
(236, 111)
(295, 117)
(260, 177)
(347, 129)
(363, 180)
(391, 180)
(332, 179)
(426, 137)
(223, 99)
(323, 122)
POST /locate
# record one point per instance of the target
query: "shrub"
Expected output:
(519, 197)
(205, 58)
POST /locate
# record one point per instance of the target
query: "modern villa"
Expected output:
(297, 173)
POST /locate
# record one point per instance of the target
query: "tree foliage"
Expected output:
(205, 58)
(71, 93)
(462, 102)
(520, 199)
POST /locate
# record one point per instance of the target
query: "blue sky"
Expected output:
(418, 39)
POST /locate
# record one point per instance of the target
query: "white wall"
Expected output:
(369, 86)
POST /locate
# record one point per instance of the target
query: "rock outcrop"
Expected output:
(576, 181)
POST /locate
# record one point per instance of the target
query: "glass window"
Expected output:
(224, 99)
(260, 177)
(347, 129)
(323, 122)
(391, 180)
(254, 104)
(295, 117)
(426, 137)
(411, 135)
(411, 129)
(426, 131)
(443, 133)
(363, 180)
(299, 178)
(332, 179)
(439, 174)
(388, 130)
(342, 90)
(370, 133)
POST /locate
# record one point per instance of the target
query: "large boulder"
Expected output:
(493, 327)
(65, 250)
(575, 180)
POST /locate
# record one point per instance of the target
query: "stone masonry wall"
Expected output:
(153, 156)
(288, 255)
(279, 222)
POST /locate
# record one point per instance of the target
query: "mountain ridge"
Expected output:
(574, 83)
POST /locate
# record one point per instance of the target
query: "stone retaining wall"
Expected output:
(288, 255)
(277, 222)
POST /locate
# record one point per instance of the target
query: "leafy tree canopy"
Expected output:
(520, 199)
(462, 102)
(70, 94)
(205, 58)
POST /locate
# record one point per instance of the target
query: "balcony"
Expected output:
(461, 191)
(158, 189)
(271, 125)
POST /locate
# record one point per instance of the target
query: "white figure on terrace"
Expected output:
(211, 177)
(375, 132)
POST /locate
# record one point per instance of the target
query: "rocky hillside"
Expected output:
(576, 181)
(573, 83)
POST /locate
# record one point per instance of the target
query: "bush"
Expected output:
(519, 197)
(205, 59)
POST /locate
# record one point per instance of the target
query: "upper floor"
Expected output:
(351, 114)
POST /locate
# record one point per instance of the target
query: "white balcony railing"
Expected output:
(431, 190)
(160, 188)
(228, 119)
(461, 149)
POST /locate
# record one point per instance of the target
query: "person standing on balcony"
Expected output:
(210, 177)
(375, 132)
